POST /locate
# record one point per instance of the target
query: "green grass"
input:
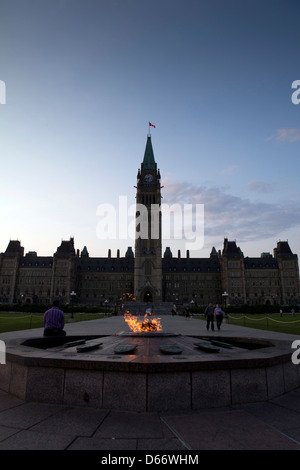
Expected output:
(272, 322)
(24, 321)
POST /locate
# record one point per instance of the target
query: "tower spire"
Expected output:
(149, 161)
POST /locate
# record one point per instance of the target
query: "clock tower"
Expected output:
(148, 250)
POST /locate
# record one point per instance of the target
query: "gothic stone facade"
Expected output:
(97, 281)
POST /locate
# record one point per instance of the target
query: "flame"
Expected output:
(144, 325)
(129, 296)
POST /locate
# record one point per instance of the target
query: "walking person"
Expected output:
(187, 312)
(209, 315)
(219, 316)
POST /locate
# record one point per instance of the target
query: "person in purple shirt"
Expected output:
(54, 321)
(219, 316)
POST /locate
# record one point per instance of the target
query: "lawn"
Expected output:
(274, 322)
(24, 321)
(288, 323)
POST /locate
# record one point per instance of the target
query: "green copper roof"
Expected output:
(84, 252)
(129, 253)
(168, 253)
(213, 252)
(149, 162)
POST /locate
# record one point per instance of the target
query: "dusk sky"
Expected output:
(83, 78)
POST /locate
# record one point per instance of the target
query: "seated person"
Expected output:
(54, 321)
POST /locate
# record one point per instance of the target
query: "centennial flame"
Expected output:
(144, 325)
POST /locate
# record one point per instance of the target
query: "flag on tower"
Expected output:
(151, 124)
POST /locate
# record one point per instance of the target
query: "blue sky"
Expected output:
(84, 78)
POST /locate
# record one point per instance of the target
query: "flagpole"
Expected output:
(150, 125)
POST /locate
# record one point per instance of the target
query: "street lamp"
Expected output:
(73, 295)
(225, 295)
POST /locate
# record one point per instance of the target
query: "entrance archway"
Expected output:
(148, 296)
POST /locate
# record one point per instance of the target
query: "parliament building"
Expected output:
(148, 274)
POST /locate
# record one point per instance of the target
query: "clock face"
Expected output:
(148, 178)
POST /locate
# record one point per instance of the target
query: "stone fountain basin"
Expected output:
(43, 369)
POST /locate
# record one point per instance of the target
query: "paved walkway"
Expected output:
(274, 425)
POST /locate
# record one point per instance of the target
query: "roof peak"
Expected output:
(149, 161)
